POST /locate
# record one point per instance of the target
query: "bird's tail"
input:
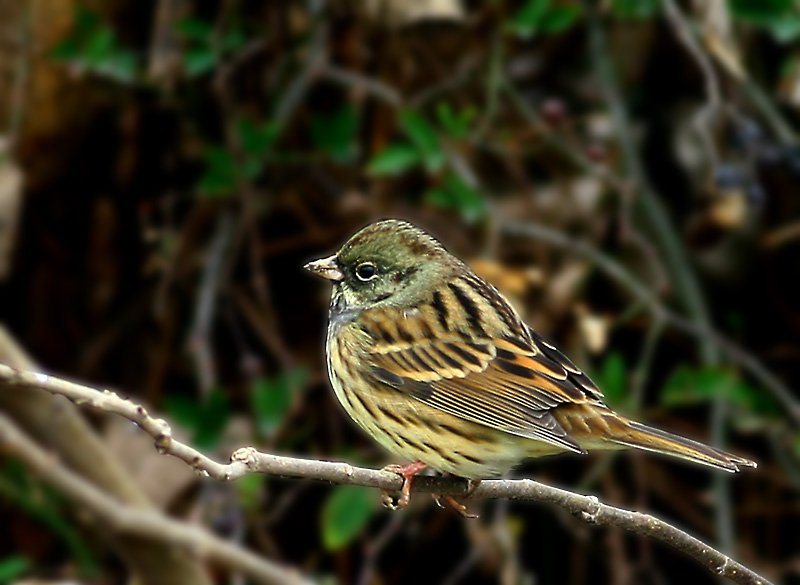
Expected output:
(629, 433)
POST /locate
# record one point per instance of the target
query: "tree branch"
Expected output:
(50, 421)
(249, 460)
(617, 272)
(127, 519)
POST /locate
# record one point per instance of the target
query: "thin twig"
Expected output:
(205, 311)
(656, 219)
(713, 106)
(494, 86)
(353, 79)
(249, 460)
(140, 522)
(643, 294)
(17, 110)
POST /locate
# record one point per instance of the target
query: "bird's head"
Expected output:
(390, 262)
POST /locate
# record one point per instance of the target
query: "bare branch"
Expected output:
(383, 91)
(130, 520)
(249, 460)
(705, 117)
(622, 275)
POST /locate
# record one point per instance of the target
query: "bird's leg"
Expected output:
(407, 472)
(453, 504)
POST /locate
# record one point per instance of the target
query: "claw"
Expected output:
(455, 505)
(407, 472)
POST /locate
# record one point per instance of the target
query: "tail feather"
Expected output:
(640, 436)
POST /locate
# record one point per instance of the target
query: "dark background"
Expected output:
(175, 163)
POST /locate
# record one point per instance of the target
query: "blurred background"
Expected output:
(626, 172)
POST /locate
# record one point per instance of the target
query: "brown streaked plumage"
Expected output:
(436, 365)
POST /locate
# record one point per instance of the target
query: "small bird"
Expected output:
(437, 366)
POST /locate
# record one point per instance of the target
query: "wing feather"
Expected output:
(504, 382)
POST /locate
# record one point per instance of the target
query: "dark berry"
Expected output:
(597, 152)
(728, 177)
(554, 111)
(756, 194)
(747, 133)
(791, 154)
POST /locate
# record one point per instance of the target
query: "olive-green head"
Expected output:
(390, 262)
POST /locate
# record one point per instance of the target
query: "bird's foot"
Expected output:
(455, 505)
(407, 472)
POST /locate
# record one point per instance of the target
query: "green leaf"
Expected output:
(786, 30)
(526, 21)
(13, 567)
(220, 176)
(198, 61)
(121, 65)
(195, 29)
(612, 379)
(752, 399)
(337, 134)
(345, 514)
(85, 24)
(205, 48)
(232, 40)
(270, 400)
(780, 17)
(248, 490)
(93, 46)
(761, 12)
(424, 137)
(257, 140)
(457, 195)
(46, 506)
(98, 45)
(393, 160)
(182, 409)
(560, 18)
(455, 124)
(688, 385)
(212, 419)
(206, 419)
(635, 9)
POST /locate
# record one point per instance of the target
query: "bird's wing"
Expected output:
(503, 382)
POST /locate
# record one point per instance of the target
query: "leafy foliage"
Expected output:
(13, 567)
(271, 399)
(336, 135)
(93, 47)
(205, 46)
(612, 379)
(47, 508)
(206, 418)
(423, 136)
(394, 159)
(690, 385)
(543, 17)
(346, 512)
(285, 106)
(780, 17)
(455, 123)
(454, 193)
(225, 169)
(635, 9)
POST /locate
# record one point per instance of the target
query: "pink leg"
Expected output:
(407, 472)
(454, 504)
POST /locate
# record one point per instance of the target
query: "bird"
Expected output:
(438, 367)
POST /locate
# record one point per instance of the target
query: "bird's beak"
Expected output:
(326, 268)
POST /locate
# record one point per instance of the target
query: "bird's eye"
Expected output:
(366, 271)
